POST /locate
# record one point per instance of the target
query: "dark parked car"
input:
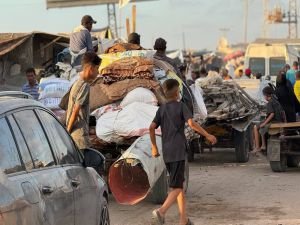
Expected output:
(44, 178)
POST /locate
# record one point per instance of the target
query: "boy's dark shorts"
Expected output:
(176, 172)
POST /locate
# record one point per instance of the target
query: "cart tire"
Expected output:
(190, 152)
(293, 161)
(242, 145)
(160, 189)
(186, 176)
(279, 166)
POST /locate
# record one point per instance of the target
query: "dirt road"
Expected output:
(222, 192)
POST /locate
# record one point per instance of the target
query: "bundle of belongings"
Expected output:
(225, 100)
(123, 47)
(54, 86)
(125, 97)
(128, 68)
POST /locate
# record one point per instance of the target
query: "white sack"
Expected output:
(51, 103)
(55, 90)
(198, 94)
(51, 80)
(105, 109)
(139, 95)
(133, 120)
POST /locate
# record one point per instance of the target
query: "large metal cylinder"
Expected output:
(133, 175)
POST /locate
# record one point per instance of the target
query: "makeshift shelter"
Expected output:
(19, 51)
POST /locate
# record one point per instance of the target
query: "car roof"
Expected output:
(8, 103)
(16, 94)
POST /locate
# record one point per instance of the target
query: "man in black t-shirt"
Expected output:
(172, 117)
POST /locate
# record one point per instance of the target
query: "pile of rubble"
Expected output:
(225, 100)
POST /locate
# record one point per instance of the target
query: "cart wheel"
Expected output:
(159, 192)
(242, 145)
(279, 166)
(293, 161)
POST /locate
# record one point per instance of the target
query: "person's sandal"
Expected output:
(255, 151)
(157, 217)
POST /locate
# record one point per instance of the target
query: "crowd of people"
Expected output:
(283, 104)
(169, 116)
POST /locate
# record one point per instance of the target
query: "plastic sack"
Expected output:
(105, 109)
(132, 121)
(197, 92)
(55, 90)
(139, 95)
(44, 82)
(51, 103)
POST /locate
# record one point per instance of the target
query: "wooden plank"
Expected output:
(284, 125)
(134, 18)
(47, 45)
(128, 26)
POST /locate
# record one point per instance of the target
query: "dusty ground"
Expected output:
(222, 192)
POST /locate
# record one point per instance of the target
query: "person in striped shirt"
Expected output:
(32, 85)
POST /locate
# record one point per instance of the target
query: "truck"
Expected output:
(268, 56)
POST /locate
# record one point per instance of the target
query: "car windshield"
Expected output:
(276, 64)
(257, 65)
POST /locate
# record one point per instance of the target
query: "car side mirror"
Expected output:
(94, 159)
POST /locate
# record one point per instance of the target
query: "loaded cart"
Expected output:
(124, 101)
(283, 147)
(231, 112)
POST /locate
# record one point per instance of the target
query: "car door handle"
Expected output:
(47, 190)
(75, 183)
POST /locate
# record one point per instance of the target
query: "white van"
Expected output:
(270, 56)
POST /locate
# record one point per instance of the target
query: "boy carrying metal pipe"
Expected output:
(171, 117)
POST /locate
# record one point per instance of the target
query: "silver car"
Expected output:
(44, 179)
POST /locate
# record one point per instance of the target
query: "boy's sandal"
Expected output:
(255, 151)
(157, 217)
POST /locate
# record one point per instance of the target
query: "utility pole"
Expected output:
(290, 18)
(112, 19)
(246, 21)
(293, 19)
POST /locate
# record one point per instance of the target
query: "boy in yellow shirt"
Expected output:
(297, 86)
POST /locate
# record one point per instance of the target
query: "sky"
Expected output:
(199, 20)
